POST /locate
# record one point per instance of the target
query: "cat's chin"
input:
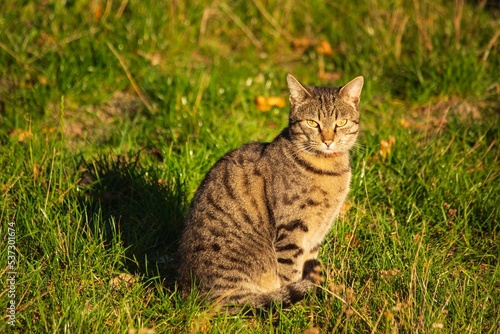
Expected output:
(329, 153)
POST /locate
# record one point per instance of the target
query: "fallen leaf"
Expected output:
(264, 103)
(21, 135)
(302, 44)
(122, 280)
(272, 125)
(329, 76)
(98, 12)
(386, 147)
(344, 208)
(336, 288)
(155, 58)
(50, 129)
(352, 240)
(312, 330)
(451, 212)
(390, 272)
(36, 171)
(404, 123)
(42, 80)
(324, 48)
(473, 169)
(142, 330)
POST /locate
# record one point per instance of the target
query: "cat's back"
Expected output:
(228, 208)
(243, 162)
(246, 156)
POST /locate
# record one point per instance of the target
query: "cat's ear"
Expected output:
(298, 92)
(351, 91)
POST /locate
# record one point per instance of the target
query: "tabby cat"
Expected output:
(256, 222)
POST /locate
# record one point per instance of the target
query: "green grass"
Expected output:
(112, 112)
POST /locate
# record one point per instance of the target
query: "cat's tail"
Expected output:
(285, 295)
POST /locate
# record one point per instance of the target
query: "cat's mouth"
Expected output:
(329, 150)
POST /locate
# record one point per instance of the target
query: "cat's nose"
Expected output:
(328, 142)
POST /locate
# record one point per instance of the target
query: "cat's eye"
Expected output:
(341, 122)
(311, 123)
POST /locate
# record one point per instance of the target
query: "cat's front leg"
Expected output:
(312, 271)
(289, 255)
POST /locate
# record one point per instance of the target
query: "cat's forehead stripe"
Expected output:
(322, 106)
(326, 101)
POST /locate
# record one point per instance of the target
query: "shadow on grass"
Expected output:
(133, 204)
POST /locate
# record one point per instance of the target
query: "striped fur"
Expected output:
(257, 220)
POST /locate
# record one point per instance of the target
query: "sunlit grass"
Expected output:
(112, 112)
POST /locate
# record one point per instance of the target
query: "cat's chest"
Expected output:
(324, 206)
(315, 201)
(316, 195)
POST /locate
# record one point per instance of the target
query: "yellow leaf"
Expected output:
(142, 330)
(324, 48)
(329, 76)
(404, 123)
(344, 208)
(386, 147)
(264, 103)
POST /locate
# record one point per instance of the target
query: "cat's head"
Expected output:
(324, 121)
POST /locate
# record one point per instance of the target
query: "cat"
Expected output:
(257, 220)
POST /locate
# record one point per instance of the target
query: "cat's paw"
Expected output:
(312, 271)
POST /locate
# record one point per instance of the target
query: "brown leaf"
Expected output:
(122, 280)
(302, 44)
(389, 272)
(272, 125)
(451, 212)
(473, 169)
(98, 11)
(336, 288)
(353, 241)
(21, 134)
